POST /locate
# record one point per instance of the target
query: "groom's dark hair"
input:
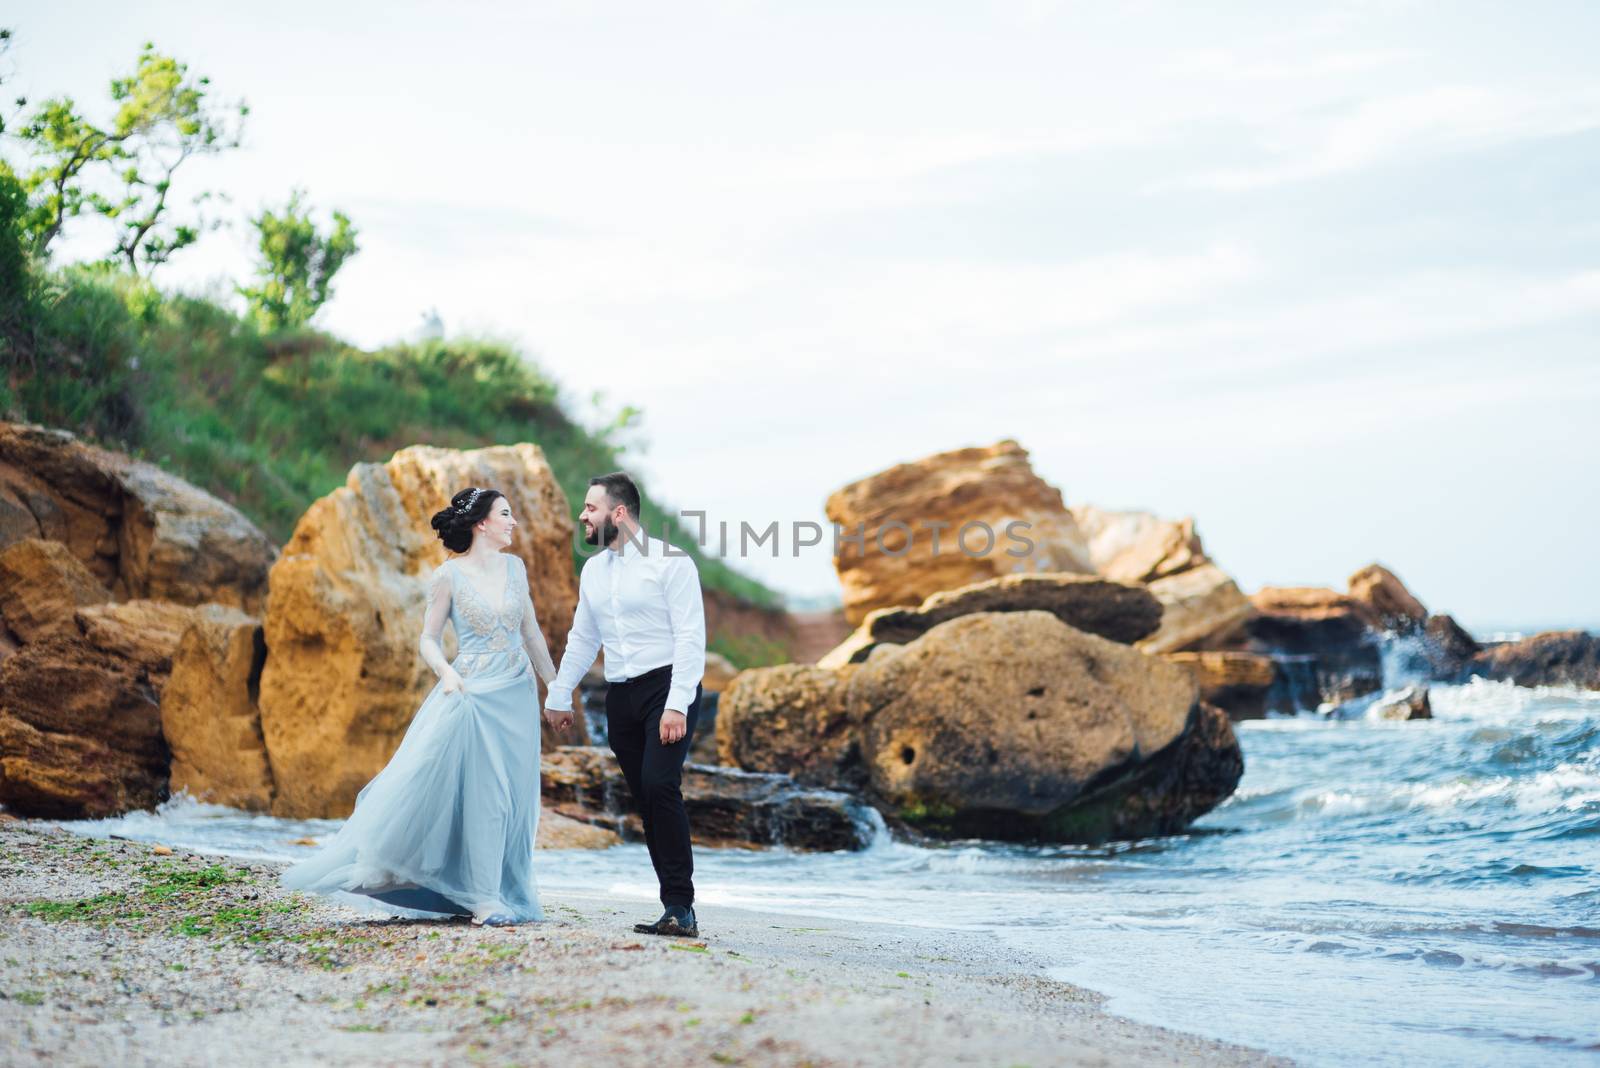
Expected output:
(621, 490)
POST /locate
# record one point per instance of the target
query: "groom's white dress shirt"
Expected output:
(645, 608)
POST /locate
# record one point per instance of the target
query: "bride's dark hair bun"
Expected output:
(454, 523)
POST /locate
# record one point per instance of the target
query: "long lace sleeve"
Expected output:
(433, 618)
(532, 636)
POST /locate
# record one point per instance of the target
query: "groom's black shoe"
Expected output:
(677, 921)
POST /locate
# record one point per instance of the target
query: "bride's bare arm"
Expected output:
(533, 637)
(433, 618)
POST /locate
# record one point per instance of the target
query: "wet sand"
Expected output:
(115, 954)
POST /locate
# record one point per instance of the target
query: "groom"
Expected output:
(644, 607)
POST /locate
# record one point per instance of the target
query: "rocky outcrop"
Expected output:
(1117, 611)
(344, 612)
(1324, 641)
(42, 586)
(1198, 604)
(1386, 599)
(142, 533)
(899, 512)
(1138, 546)
(1554, 658)
(209, 713)
(1237, 683)
(726, 807)
(80, 732)
(1000, 725)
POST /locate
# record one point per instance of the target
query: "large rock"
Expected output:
(993, 485)
(1117, 611)
(80, 732)
(209, 714)
(42, 586)
(1554, 658)
(1238, 683)
(1325, 643)
(142, 532)
(726, 807)
(1197, 605)
(1138, 546)
(998, 725)
(343, 676)
(1386, 598)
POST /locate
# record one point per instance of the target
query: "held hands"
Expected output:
(674, 725)
(558, 719)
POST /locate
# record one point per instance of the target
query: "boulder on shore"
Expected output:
(141, 532)
(898, 514)
(344, 613)
(726, 807)
(1118, 611)
(1007, 725)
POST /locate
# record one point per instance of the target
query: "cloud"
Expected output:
(1377, 130)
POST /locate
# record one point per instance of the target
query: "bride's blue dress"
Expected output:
(448, 826)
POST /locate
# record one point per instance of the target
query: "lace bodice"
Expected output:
(486, 633)
(480, 627)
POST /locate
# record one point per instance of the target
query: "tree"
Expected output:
(297, 264)
(164, 119)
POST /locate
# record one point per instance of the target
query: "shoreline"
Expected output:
(114, 953)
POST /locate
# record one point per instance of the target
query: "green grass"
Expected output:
(271, 422)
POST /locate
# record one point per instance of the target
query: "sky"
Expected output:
(1325, 277)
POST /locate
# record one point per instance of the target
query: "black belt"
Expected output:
(648, 676)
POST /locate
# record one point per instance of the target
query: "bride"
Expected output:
(447, 827)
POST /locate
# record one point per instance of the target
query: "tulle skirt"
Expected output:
(448, 826)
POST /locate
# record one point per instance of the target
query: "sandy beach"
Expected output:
(114, 952)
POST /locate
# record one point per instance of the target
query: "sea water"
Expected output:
(1376, 892)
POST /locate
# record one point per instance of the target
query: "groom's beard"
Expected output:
(603, 534)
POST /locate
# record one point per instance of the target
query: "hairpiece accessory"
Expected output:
(472, 500)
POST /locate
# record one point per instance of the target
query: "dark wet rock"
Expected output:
(727, 807)
(1326, 645)
(1554, 658)
(1448, 647)
(1118, 611)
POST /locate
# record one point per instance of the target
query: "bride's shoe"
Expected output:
(496, 917)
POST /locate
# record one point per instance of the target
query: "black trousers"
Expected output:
(655, 774)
